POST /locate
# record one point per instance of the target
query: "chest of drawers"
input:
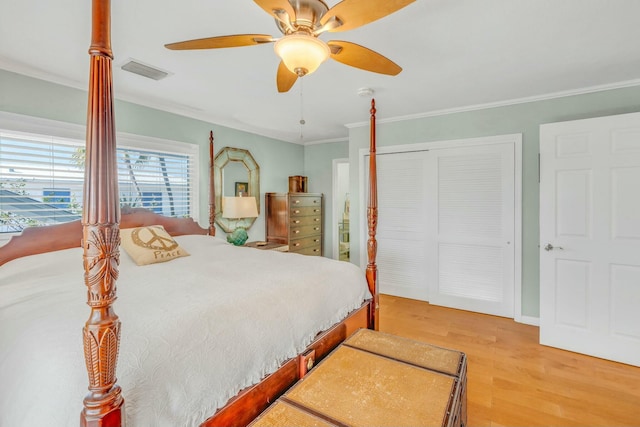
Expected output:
(295, 219)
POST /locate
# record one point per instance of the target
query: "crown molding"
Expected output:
(193, 113)
(515, 101)
(178, 109)
(326, 141)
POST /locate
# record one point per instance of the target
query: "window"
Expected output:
(152, 200)
(59, 198)
(41, 177)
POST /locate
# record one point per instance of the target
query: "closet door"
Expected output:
(470, 232)
(402, 224)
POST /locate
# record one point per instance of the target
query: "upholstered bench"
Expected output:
(377, 379)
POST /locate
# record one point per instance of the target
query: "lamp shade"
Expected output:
(302, 54)
(239, 207)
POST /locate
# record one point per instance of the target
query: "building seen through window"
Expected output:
(41, 180)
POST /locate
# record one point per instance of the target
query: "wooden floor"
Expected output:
(513, 380)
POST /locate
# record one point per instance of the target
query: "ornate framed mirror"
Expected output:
(235, 168)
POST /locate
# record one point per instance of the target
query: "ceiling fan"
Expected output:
(301, 22)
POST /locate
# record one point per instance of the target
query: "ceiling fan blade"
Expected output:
(360, 57)
(285, 79)
(221, 42)
(273, 6)
(355, 13)
(330, 25)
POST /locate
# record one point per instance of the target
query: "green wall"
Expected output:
(523, 118)
(277, 159)
(318, 168)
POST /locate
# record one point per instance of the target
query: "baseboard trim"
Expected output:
(529, 320)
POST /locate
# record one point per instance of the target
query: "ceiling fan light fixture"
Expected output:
(302, 54)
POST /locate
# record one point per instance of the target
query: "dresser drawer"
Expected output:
(311, 250)
(302, 200)
(301, 221)
(297, 211)
(300, 231)
(305, 244)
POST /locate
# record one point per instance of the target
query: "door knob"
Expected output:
(550, 247)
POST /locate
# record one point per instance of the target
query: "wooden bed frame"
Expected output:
(99, 234)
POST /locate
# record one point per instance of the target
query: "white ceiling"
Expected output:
(455, 54)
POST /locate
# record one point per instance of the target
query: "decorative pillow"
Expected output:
(151, 244)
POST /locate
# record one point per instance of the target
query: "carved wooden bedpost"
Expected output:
(104, 405)
(372, 220)
(212, 195)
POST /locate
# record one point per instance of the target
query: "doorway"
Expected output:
(341, 208)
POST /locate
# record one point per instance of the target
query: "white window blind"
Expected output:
(41, 178)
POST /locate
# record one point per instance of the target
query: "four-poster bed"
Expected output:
(103, 265)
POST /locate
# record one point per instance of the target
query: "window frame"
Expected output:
(73, 133)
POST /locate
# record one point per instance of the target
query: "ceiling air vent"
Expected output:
(143, 70)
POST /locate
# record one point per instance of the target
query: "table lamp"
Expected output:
(237, 208)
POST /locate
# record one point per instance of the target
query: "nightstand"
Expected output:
(280, 247)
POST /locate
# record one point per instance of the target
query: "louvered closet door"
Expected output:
(471, 228)
(402, 222)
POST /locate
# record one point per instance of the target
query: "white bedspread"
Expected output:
(195, 330)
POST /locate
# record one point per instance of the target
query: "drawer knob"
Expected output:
(296, 231)
(296, 244)
(296, 222)
(316, 250)
(317, 219)
(296, 211)
(296, 201)
(316, 228)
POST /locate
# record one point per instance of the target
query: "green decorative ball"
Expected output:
(238, 237)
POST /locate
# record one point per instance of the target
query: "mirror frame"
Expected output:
(224, 156)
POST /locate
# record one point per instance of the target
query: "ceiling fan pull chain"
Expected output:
(302, 122)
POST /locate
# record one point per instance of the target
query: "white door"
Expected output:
(402, 224)
(590, 236)
(446, 230)
(471, 228)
